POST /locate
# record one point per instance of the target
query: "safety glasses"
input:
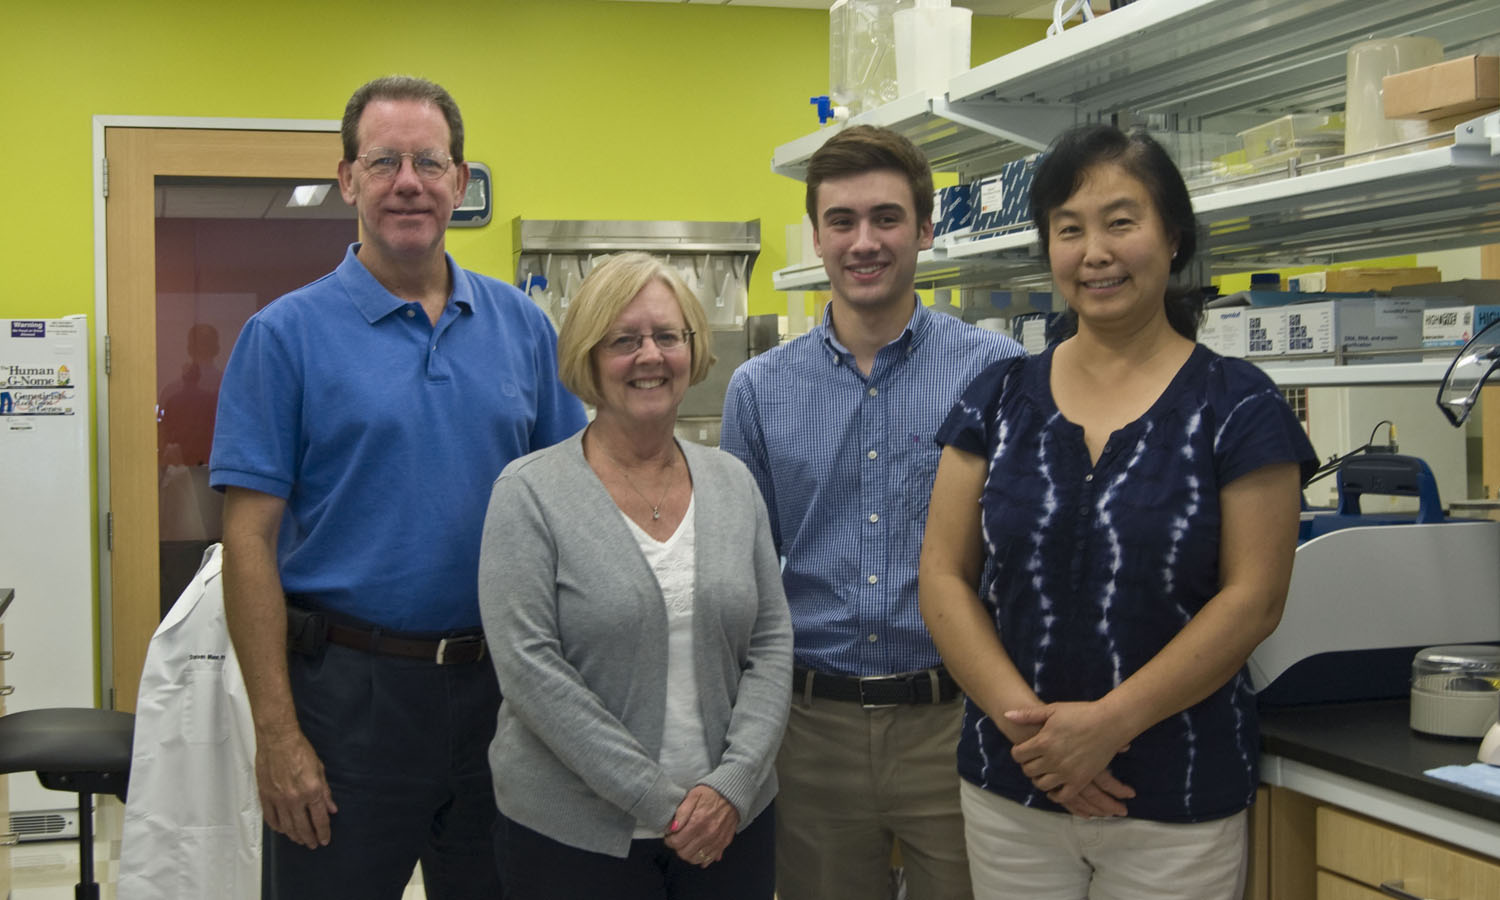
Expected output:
(1467, 374)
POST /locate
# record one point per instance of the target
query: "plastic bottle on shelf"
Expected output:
(1365, 124)
(932, 45)
(861, 53)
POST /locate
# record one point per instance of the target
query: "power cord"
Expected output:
(1063, 10)
(1368, 446)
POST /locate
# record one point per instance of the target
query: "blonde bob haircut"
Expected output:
(601, 298)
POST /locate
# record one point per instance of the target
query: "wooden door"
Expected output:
(137, 157)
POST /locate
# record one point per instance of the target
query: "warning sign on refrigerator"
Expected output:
(34, 379)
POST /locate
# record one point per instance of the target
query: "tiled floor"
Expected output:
(48, 870)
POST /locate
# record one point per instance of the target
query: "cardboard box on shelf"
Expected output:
(954, 209)
(1381, 323)
(1466, 84)
(1004, 199)
(1034, 331)
(1352, 324)
(1262, 323)
(1223, 331)
(1359, 280)
(1478, 291)
(1445, 125)
(1452, 326)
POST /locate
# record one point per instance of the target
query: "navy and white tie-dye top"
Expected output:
(1092, 569)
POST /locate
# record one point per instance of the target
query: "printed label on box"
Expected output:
(1309, 328)
(1223, 331)
(1259, 325)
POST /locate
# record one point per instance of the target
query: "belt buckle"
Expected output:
(455, 642)
(867, 704)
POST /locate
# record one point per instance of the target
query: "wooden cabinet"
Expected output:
(1302, 848)
(1386, 859)
(1332, 887)
(1282, 829)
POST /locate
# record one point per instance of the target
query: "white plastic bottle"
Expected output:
(932, 45)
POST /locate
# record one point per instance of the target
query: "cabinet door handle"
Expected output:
(7, 654)
(1396, 887)
(11, 839)
(7, 689)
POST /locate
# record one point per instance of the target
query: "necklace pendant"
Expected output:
(655, 514)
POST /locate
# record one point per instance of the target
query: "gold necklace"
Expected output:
(656, 507)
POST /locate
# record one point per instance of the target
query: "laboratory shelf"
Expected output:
(951, 143)
(1436, 199)
(1198, 59)
(1191, 63)
(1427, 200)
(935, 269)
(1212, 66)
(1320, 373)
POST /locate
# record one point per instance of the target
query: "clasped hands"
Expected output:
(1065, 749)
(702, 827)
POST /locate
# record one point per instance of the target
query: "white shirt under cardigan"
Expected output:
(683, 755)
(579, 637)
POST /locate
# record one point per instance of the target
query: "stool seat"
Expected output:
(85, 751)
(66, 740)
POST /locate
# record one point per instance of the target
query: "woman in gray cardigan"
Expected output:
(633, 603)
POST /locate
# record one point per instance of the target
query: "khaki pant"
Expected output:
(853, 782)
(1035, 854)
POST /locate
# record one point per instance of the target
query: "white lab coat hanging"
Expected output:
(192, 815)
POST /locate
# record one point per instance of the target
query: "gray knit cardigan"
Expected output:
(578, 633)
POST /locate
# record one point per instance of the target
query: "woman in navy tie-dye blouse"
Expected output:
(1126, 504)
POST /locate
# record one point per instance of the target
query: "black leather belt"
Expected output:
(906, 688)
(308, 630)
(447, 651)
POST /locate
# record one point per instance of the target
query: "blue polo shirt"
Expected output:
(845, 462)
(383, 433)
(1094, 567)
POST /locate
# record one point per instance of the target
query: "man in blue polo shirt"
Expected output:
(838, 428)
(361, 421)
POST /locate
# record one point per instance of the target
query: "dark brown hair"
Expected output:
(865, 148)
(1067, 162)
(402, 87)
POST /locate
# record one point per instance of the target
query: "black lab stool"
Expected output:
(86, 751)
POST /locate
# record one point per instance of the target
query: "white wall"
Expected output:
(1340, 419)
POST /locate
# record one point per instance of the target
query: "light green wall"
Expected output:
(583, 109)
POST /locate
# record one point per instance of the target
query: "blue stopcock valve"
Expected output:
(827, 111)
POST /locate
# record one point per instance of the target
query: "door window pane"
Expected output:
(224, 249)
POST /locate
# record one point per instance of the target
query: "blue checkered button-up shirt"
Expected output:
(846, 462)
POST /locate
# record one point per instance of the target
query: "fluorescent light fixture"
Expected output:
(308, 195)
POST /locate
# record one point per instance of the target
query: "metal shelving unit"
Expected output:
(1206, 65)
(1304, 373)
(1435, 199)
(1235, 61)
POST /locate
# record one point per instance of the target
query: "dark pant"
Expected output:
(535, 867)
(404, 746)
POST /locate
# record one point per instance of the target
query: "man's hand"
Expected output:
(704, 825)
(294, 794)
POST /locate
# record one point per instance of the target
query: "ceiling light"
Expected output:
(308, 195)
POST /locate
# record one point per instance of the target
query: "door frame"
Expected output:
(105, 612)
